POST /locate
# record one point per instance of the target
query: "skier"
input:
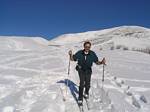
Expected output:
(85, 59)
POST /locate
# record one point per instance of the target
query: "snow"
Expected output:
(22, 43)
(34, 75)
(132, 37)
(8, 109)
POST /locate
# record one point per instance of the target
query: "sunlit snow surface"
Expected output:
(33, 80)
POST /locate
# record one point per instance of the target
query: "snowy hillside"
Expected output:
(22, 43)
(33, 75)
(132, 37)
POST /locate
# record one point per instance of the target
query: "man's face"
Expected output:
(87, 47)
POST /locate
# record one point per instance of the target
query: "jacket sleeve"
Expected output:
(76, 56)
(95, 58)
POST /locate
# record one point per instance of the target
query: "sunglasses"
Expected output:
(87, 46)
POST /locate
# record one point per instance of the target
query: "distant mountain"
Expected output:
(130, 37)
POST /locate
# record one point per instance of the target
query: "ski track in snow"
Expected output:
(35, 82)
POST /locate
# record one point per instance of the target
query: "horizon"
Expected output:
(49, 19)
(69, 33)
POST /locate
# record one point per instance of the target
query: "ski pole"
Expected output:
(103, 73)
(68, 70)
(68, 76)
(103, 80)
(69, 66)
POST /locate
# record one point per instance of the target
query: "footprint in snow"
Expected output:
(8, 109)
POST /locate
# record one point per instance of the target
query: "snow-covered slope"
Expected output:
(22, 43)
(35, 80)
(132, 37)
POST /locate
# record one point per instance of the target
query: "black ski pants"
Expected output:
(85, 79)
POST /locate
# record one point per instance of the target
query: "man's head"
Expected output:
(87, 46)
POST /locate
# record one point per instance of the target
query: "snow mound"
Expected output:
(22, 43)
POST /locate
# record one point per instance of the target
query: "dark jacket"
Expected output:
(85, 64)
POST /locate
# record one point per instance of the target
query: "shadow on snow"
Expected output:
(72, 87)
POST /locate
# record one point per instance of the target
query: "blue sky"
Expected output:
(50, 18)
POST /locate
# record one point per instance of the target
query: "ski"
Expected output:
(81, 107)
(87, 103)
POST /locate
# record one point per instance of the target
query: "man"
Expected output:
(85, 59)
